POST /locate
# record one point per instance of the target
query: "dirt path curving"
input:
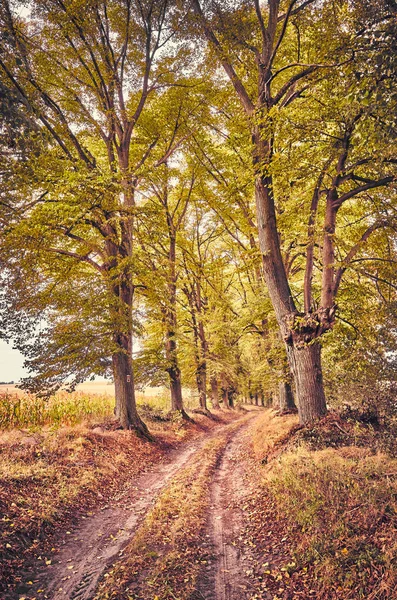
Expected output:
(228, 577)
(87, 550)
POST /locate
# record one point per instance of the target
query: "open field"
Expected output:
(92, 387)
(92, 401)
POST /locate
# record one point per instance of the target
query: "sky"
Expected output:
(11, 362)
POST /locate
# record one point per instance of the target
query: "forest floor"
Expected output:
(247, 506)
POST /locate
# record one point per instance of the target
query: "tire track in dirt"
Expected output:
(99, 540)
(226, 579)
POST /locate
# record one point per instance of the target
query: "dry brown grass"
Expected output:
(328, 524)
(343, 505)
(269, 429)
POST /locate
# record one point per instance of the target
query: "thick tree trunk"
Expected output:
(201, 350)
(262, 398)
(273, 266)
(125, 408)
(286, 397)
(306, 367)
(225, 399)
(302, 355)
(227, 396)
(176, 389)
(256, 400)
(173, 370)
(214, 392)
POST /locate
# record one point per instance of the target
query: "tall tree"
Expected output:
(86, 72)
(308, 39)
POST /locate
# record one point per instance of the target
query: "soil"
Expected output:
(84, 553)
(228, 578)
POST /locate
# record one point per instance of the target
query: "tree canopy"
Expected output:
(215, 181)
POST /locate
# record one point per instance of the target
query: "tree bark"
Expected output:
(298, 331)
(201, 379)
(274, 402)
(171, 353)
(301, 354)
(306, 368)
(214, 392)
(286, 397)
(327, 287)
(174, 372)
(225, 399)
(125, 408)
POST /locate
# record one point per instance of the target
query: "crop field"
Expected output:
(90, 401)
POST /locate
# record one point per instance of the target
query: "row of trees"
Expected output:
(199, 178)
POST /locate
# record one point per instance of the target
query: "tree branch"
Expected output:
(78, 257)
(363, 188)
(348, 258)
(231, 73)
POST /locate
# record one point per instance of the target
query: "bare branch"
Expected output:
(79, 257)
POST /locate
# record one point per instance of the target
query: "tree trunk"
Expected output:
(176, 389)
(201, 379)
(256, 400)
(262, 398)
(306, 367)
(230, 399)
(225, 391)
(303, 354)
(214, 392)
(269, 240)
(125, 408)
(174, 372)
(171, 354)
(286, 398)
(225, 399)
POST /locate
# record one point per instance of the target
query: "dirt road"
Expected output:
(228, 579)
(86, 552)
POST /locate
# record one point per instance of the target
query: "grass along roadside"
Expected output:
(50, 476)
(323, 518)
(165, 558)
